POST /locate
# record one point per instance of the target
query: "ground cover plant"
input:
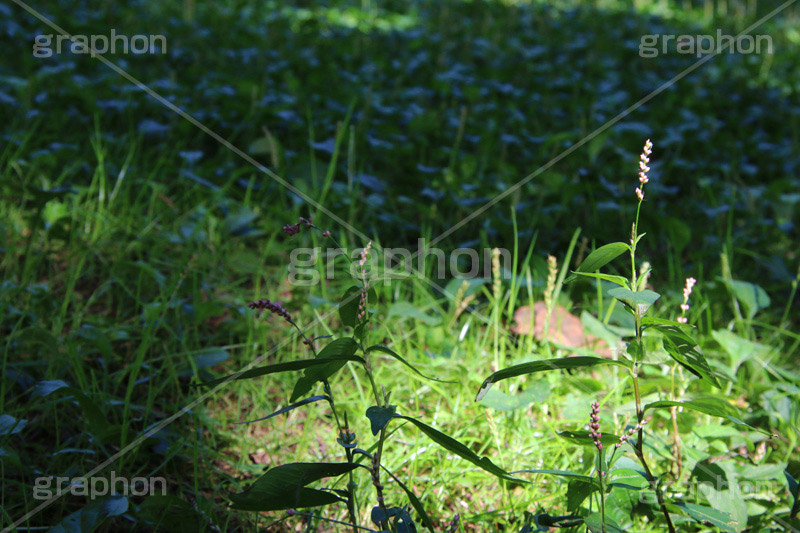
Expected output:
(131, 243)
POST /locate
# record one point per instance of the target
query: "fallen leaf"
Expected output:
(565, 328)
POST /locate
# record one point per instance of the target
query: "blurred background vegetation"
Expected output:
(130, 239)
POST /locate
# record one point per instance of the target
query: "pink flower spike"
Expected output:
(644, 168)
(291, 229)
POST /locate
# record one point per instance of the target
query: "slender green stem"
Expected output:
(601, 477)
(342, 432)
(331, 520)
(790, 301)
(378, 487)
(634, 239)
(638, 448)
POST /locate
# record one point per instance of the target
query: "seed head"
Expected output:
(625, 436)
(644, 168)
(273, 307)
(687, 291)
(594, 426)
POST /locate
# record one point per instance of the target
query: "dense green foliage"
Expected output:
(131, 240)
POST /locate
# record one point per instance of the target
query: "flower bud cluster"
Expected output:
(272, 307)
(625, 436)
(293, 229)
(644, 161)
(687, 291)
(594, 426)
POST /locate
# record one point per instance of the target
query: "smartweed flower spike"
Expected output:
(293, 229)
(687, 291)
(594, 426)
(272, 307)
(454, 524)
(625, 436)
(644, 161)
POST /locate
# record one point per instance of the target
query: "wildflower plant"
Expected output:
(286, 487)
(678, 341)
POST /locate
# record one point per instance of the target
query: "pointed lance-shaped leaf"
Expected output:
(452, 445)
(544, 365)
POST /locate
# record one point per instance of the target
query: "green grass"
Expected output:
(130, 241)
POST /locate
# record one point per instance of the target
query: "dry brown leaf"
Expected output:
(565, 328)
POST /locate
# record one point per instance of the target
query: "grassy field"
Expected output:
(132, 239)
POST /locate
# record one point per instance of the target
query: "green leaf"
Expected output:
(582, 438)
(98, 423)
(684, 350)
(415, 503)
(600, 258)
(752, 297)
(43, 388)
(205, 359)
(9, 456)
(653, 321)
(680, 234)
(348, 306)
(92, 515)
(378, 515)
(509, 402)
(628, 478)
(638, 301)
(595, 524)
(577, 492)
(619, 280)
(709, 406)
(794, 490)
(704, 514)
(379, 417)
(284, 487)
(600, 330)
(10, 425)
(740, 349)
(542, 366)
(170, 513)
(406, 310)
(290, 408)
(280, 367)
(452, 445)
(333, 351)
(560, 473)
(385, 349)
